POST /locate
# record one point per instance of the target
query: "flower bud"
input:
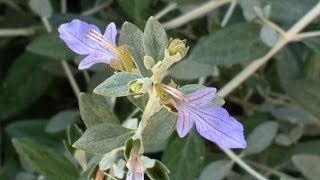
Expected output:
(177, 46)
(135, 87)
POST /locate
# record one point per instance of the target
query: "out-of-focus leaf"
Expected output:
(261, 137)
(132, 36)
(293, 136)
(308, 165)
(288, 12)
(306, 92)
(159, 127)
(158, 171)
(268, 35)
(309, 147)
(311, 68)
(116, 85)
(95, 109)
(155, 39)
(59, 19)
(42, 7)
(294, 114)
(248, 8)
(313, 43)
(179, 71)
(134, 8)
(51, 46)
(179, 152)
(103, 138)
(61, 121)
(24, 84)
(216, 170)
(44, 160)
(233, 44)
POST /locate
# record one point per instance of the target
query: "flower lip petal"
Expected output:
(184, 123)
(111, 33)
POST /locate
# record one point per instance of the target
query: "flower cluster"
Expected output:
(211, 121)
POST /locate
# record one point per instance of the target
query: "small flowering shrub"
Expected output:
(223, 89)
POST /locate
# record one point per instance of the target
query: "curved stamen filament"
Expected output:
(174, 92)
(100, 39)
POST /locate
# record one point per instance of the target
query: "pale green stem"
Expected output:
(228, 14)
(135, 111)
(290, 35)
(305, 35)
(96, 9)
(244, 165)
(63, 5)
(86, 76)
(195, 13)
(166, 10)
(17, 32)
(64, 64)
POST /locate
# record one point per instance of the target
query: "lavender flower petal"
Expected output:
(74, 35)
(184, 123)
(201, 97)
(92, 59)
(111, 33)
(215, 124)
(134, 175)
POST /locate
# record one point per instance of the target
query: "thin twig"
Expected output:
(244, 165)
(46, 24)
(71, 79)
(17, 32)
(195, 13)
(307, 35)
(86, 76)
(166, 10)
(256, 64)
(63, 5)
(96, 9)
(229, 13)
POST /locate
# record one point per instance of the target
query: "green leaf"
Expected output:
(269, 35)
(135, 8)
(51, 46)
(103, 138)
(311, 68)
(24, 84)
(61, 121)
(308, 96)
(44, 160)
(159, 128)
(184, 156)
(294, 114)
(198, 70)
(233, 44)
(248, 8)
(95, 109)
(158, 171)
(116, 85)
(289, 12)
(216, 170)
(313, 43)
(74, 133)
(41, 7)
(308, 165)
(155, 39)
(140, 102)
(261, 137)
(132, 36)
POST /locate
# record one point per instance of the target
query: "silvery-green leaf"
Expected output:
(158, 171)
(132, 36)
(234, 44)
(140, 102)
(294, 114)
(44, 160)
(269, 35)
(41, 7)
(103, 138)
(180, 151)
(311, 69)
(248, 8)
(159, 127)
(313, 43)
(261, 137)
(308, 165)
(61, 120)
(108, 160)
(116, 85)
(198, 70)
(94, 109)
(155, 39)
(216, 170)
(287, 139)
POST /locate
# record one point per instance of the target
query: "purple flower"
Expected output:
(135, 168)
(212, 122)
(86, 39)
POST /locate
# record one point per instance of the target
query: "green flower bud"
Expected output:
(135, 87)
(177, 46)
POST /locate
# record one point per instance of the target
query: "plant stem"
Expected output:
(290, 35)
(228, 14)
(244, 165)
(195, 13)
(166, 10)
(307, 35)
(63, 5)
(17, 32)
